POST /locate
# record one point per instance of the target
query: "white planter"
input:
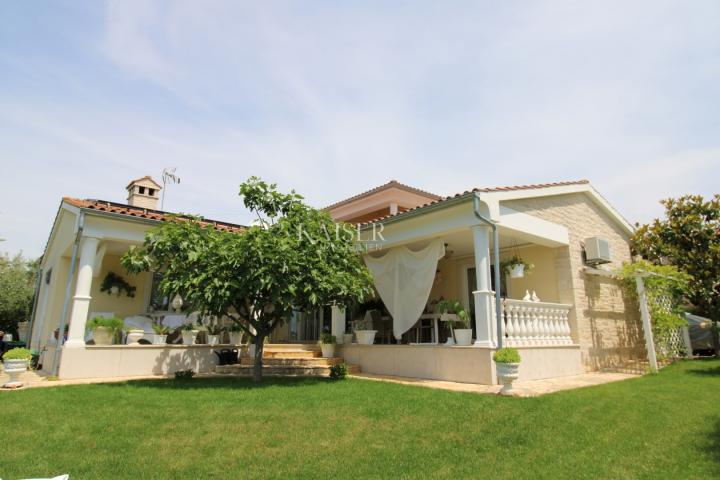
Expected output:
(102, 336)
(328, 350)
(133, 336)
(23, 330)
(507, 373)
(463, 336)
(159, 339)
(347, 338)
(188, 337)
(365, 337)
(213, 339)
(235, 338)
(14, 368)
(518, 271)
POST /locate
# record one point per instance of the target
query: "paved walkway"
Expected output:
(531, 388)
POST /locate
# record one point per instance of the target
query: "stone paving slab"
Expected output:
(531, 388)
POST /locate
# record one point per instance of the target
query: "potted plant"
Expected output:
(236, 334)
(507, 363)
(161, 333)
(347, 338)
(327, 345)
(189, 333)
(133, 334)
(213, 333)
(453, 311)
(105, 329)
(15, 362)
(363, 332)
(114, 284)
(515, 267)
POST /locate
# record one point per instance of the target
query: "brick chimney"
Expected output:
(143, 192)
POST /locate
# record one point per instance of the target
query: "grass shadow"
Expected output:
(712, 445)
(233, 383)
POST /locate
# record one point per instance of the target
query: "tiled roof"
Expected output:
(481, 190)
(146, 213)
(146, 177)
(386, 186)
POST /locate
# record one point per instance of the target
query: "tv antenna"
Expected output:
(168, 176)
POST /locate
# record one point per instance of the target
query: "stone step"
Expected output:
(281, 370)
(310, 362)
(291, 354)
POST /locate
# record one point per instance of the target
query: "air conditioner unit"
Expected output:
(597, 251)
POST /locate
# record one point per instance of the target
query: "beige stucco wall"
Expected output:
(459, 364)
(606, 323)
(122, 306)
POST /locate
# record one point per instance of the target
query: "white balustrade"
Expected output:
(536, 323)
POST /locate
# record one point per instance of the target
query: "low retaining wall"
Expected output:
(125, 360)
(460, 364)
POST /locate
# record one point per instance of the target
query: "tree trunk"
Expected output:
(259, 344)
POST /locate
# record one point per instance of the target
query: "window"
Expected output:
(151, 192)
(141, 190)
(158, 301)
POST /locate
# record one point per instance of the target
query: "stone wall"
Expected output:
(606, 323)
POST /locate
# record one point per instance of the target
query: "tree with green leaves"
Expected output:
(17, 289)
(294, 257)
(688, 238)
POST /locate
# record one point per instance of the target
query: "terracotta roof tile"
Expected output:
(390, 184)
(481, 190)
(138, 212)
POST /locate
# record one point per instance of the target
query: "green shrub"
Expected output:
(456, 307)
(184, 374)
(339, 371)
(327, 339)
(506, 355)
(18, 354)
(115, 324)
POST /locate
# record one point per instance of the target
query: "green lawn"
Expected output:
(662, 426)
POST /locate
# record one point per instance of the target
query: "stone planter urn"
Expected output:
(507, 373)
(189, 336)
(134, 335)
(463, 336)
(102, 336)
(235, 338)
(23, 330)
(347, 338)
(213, 339)
(14, 368)
(365, 337)
(328, 350)
(159, 339)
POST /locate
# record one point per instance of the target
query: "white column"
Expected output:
(483, 295)
(337, 323)
(81, 300)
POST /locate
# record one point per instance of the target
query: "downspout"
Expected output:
(38, 284)
(496, 264)
(68, 286)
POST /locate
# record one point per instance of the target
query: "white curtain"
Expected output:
(404, 278)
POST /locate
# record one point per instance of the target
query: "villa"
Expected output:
(566, 315)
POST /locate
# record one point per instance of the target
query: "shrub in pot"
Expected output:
(327, 345)
(213, 334)
(236, 334)
(453, 311)
(515, 267)
(104, 329)
(347, 338)
(161, 333)
(15, 362)
(189, 333)
(507, 363)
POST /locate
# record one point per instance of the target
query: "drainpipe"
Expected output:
(38, 284)
(496, 264)
(68, 287)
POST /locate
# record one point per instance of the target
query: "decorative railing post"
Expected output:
(536, 323)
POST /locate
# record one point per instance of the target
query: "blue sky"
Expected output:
(332, 98)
